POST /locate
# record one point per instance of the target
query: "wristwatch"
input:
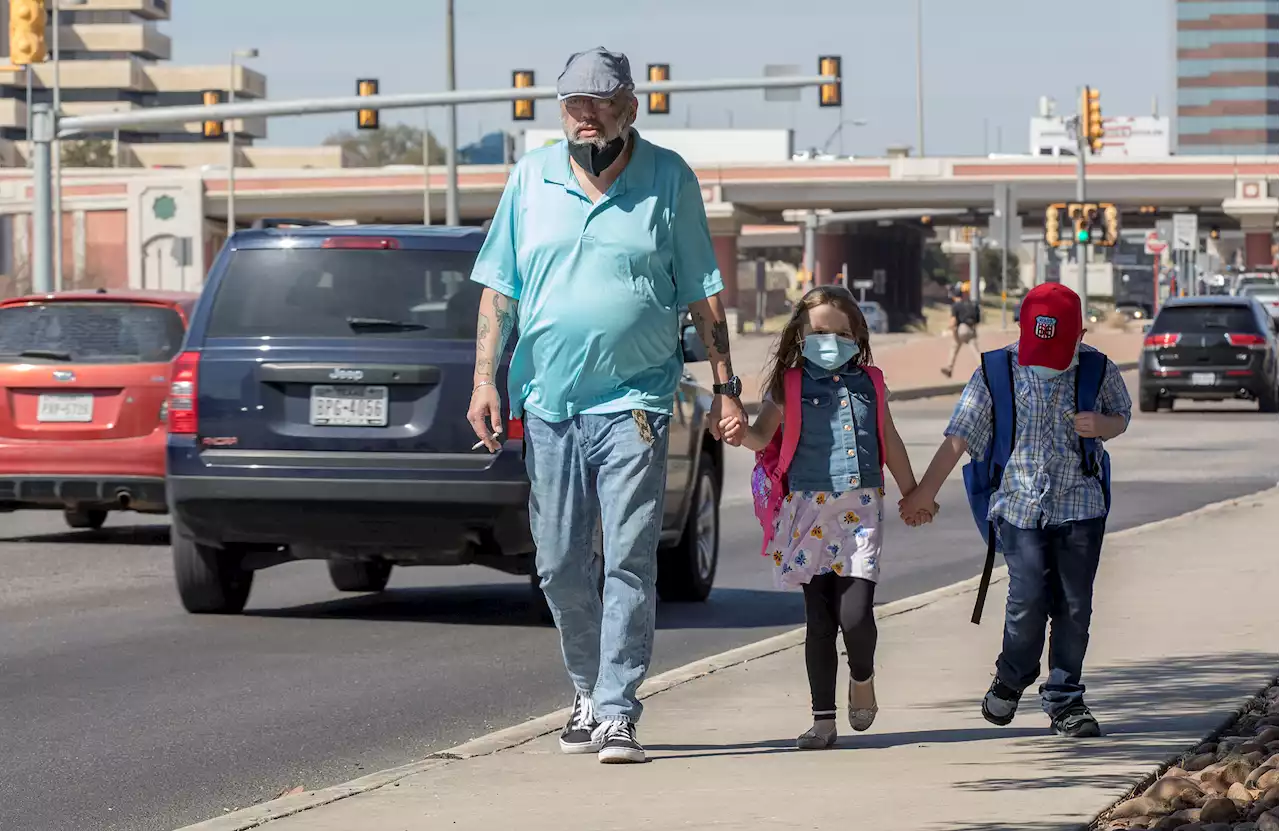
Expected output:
(732, 387)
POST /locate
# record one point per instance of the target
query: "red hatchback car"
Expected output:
(83, 383)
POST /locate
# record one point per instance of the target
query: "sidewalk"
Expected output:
(911, 362)
(1184, 630)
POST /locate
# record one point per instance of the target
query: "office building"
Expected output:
(1227, 75)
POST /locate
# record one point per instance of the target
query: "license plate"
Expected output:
(349, 406)
(65, 408)
(1203, 379)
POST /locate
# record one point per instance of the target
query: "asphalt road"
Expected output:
(120, 711)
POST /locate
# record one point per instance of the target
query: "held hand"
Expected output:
(915, 503)
(733, 430)
(485, 416)
(1088, 425)
(723, 407)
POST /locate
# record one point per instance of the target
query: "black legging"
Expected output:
(833, 602)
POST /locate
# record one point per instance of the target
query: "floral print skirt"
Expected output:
(819, 532)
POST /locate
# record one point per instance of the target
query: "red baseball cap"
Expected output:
(1051, 323)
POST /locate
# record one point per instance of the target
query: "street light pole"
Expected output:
(57, 147)
(920, 76)
(451, 150)
(231, 140)
(1082, 247)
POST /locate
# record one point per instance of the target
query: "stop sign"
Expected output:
(1155, 245)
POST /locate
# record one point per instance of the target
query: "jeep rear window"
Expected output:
(97, 332)
(1198, 320)
(317, 292)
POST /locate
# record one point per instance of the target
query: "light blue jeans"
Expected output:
(614, 465)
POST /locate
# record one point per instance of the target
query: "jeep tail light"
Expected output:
(183, 389)
(364, 243)
(1247, 340)
(515, 429)
(1167, 339)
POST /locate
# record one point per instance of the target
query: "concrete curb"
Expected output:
(535, 728)
(936, 391)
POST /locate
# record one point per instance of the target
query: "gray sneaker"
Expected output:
(1000, 703)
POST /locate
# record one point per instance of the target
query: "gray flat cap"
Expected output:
(596, 73)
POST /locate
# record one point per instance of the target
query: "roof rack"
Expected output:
(285, 222)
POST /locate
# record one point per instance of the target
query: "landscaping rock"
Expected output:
(1220, 809)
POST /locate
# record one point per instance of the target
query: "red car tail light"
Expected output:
(1167, 339)
(515, 429)
(183, 390)
(1247, 340)
(363, 243)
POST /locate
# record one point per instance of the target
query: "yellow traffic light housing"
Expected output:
(1091, 119)
(659, 102)
(1110, 224)
(1053, 224)
(367, 119)
(212, 129)
(522, 108)
(830, 95)
(1079, 222)
(27, 23)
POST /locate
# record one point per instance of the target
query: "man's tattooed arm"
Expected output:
(709, 319)
(493, 326)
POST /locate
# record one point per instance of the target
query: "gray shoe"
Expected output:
(818, 737)
(861, 718)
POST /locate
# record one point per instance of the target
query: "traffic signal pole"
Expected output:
(1082, 248)
(451, 129)
(46, 126)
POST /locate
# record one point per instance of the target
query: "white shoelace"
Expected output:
(613, 727)
(584, 714)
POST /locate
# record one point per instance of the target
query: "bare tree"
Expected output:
(393, 144)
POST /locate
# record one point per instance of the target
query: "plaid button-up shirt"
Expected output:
(1043, 483)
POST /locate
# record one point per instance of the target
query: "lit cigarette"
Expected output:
(480, 444)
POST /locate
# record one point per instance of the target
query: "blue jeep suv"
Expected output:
(318, 411)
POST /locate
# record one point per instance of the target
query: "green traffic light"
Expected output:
(1082, 236)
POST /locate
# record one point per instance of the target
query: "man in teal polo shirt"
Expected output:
(596, 244)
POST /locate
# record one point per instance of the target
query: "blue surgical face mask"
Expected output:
(830, 351)
(1045, 373)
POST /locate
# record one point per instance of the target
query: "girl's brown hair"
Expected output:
(791, 342)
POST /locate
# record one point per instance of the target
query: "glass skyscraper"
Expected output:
(1227, 77)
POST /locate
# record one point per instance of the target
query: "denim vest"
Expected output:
(839, 447)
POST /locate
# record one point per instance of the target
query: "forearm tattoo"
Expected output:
(715, 337)
(488, 347)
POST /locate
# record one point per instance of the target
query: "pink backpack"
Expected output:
(769, 478)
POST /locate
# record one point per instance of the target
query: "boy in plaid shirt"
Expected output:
(1049, 514)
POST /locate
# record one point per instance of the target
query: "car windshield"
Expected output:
(1204, 319)
(340, 293)
(93, 332)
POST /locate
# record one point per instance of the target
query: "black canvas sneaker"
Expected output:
(619, 745)
(579, 735)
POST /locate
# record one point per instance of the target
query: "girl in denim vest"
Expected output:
(827, 536)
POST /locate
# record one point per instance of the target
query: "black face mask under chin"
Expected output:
(596, 160)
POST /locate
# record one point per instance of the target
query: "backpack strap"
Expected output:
(997, 374)
(882, 406)
(1090, 373)
(791, 410)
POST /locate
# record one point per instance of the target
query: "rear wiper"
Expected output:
(383, 323)
(51, 354)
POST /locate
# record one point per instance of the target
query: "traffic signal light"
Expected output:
(659, 102)
(1091, 119)
(367, 119)
(1053, 224)
(1214, 232)
(1110, 225)
(1079, 222)
(212, 129)
(27, 21)
(522, 108)
(830, 95)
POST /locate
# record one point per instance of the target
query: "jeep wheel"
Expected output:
(359, 575)
(85, 518)
(687, 571)
(210, 580)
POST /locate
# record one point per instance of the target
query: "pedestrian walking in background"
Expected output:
(597, 242)
(963, 327)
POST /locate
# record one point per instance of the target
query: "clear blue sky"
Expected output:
(985, 60)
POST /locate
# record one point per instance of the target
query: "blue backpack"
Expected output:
(982, 476)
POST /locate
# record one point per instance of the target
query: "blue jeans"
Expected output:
(613, 466)
(1051, 573)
